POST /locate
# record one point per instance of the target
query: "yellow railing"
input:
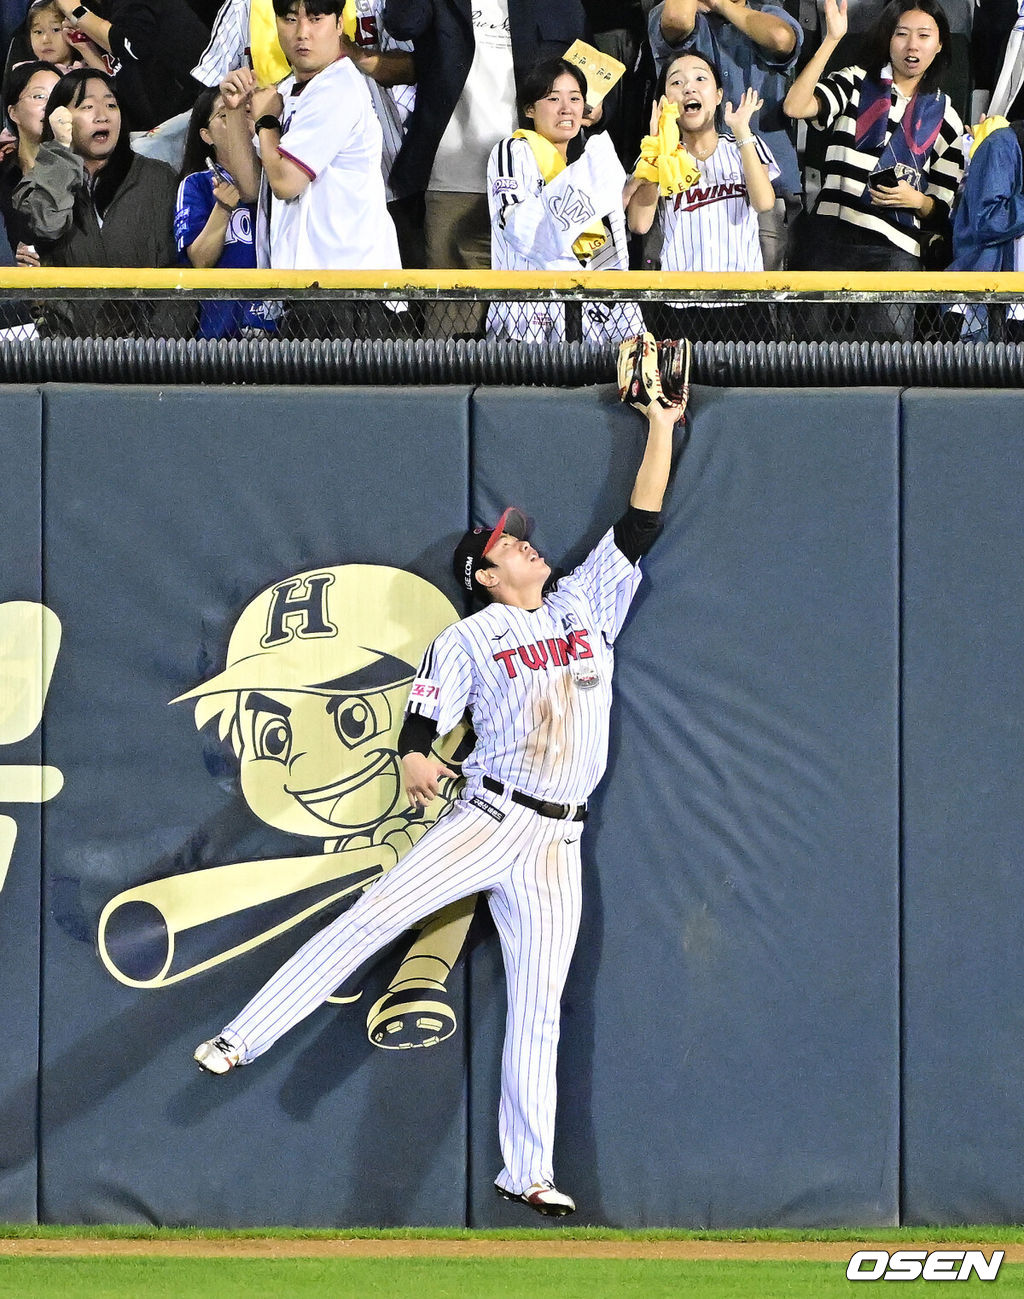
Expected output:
(909, 285)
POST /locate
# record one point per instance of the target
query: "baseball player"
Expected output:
(534, 668)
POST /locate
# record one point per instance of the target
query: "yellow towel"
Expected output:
(550, 162)
(663, 158)
(983, 129)
(268, 61)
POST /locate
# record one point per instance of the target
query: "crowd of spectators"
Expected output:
(301, 134)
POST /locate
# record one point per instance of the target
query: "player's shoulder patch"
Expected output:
(504, 184)
(424, 689)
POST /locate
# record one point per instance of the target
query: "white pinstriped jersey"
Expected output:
(711, 226)
(229, 40)
(537, 683)
(229, 44)
(534, 226)
(392, 104)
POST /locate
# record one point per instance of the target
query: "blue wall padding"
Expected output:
(731, 1022)
(166, 512)
(20, 450)
(777, 953)
(963, 787)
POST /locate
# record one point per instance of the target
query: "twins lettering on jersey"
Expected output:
(701, 196)
(553, 652)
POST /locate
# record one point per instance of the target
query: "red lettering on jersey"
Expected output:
(424, 690)
(580, 646)
(366, 32)
(534, 656)
(559, 651)
(698, 197)
(506, 657)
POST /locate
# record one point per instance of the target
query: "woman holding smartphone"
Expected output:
(214, 221)
(894, 154)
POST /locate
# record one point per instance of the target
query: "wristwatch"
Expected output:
(80, 12)
(268, 122)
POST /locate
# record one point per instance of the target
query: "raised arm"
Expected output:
(386, 67)
(801, 101)
(775, 36)
(46, 195)
(95, 27)
(759, 188)
(678, 19)
(285, 178)
(235, 90)
(655, 467)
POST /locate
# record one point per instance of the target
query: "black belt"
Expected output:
(557, 811)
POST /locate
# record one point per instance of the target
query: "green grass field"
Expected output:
(100, 1278)
(124, 1277)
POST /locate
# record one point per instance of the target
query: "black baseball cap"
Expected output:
(471, 551)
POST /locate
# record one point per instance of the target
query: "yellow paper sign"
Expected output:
(601, 70)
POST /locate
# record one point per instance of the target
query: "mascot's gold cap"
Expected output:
(351, 628)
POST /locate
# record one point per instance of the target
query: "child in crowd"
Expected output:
(44, 36)
(214, 225)
(712, 224)
(552, 214)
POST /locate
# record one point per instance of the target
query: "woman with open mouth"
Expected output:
(712, 224)
(90, 201)
(894, 153)
(557, 205)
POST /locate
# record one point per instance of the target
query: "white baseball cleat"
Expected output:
(544, 1197)
(217, 1055)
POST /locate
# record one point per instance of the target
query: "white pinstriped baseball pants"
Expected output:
(529, 868)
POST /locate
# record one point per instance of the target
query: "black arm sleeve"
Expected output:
(418, 733)
(636, 532)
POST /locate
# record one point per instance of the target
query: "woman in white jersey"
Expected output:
(712, 225)
(558, 207)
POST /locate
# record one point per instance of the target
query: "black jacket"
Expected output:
(442, 36)
(137, 230)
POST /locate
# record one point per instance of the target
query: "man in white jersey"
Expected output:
(534, 668)
(318, 151)
(385, 63)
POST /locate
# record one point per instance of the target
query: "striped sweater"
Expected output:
(847, 168)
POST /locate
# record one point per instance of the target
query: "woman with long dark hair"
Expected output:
(25, 95)
(214, 220)
(894, 153)
(712, 224)
(90, 201)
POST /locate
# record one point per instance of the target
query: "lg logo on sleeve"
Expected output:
(934, 1265)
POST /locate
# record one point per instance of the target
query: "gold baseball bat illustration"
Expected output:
(159, 933)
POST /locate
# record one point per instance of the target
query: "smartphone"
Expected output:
(887, 177)
(219, 171)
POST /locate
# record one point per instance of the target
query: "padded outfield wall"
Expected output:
(795, 998)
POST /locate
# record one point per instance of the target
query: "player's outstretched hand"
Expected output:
(423, 778)
(661, 417)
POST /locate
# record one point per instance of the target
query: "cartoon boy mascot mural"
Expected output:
(311, 700)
